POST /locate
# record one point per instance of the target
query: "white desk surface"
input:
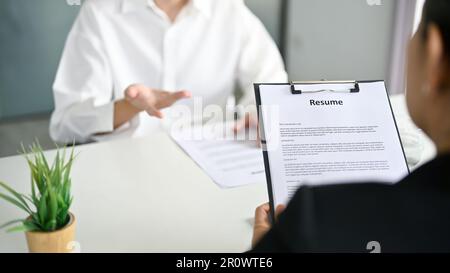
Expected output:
(146, 195)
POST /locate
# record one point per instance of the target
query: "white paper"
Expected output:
(229, 160)
(328, 138)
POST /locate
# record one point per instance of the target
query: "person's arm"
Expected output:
(260, 61)
(83, 87)
(123, 112)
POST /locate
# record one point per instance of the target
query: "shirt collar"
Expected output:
(203, 6)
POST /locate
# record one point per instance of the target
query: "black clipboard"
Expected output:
(299, 92)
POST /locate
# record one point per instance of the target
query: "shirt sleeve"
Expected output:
(260, 59)
(83, 88)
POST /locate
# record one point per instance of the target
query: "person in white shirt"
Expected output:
(126, 60)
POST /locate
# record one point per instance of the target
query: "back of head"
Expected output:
(428, 94)
(438, 12)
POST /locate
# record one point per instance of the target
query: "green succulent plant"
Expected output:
(48, 204)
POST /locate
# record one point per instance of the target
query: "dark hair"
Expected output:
(438, 12)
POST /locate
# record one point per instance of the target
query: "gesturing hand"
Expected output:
(152, 100)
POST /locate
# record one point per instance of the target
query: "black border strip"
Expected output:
(263, 138)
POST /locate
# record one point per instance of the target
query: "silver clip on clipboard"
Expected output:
(353, 89)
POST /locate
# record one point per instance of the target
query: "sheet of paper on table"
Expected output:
(230, 160)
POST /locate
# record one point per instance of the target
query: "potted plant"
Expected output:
(49, 225)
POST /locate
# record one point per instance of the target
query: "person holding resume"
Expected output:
(126, 60)
(410, 216)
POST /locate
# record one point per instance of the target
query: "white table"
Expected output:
(146, 195)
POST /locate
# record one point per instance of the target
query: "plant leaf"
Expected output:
(28, 198)
(50, 189)
(21, 228)
(11, 222)
(42, 211)
(14, 202)
(31, 226)
(53, 208)
(16, 194)
(35, 220)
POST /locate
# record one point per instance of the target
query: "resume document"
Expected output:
(327, 137)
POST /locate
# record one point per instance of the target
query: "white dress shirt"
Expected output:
(212, 47)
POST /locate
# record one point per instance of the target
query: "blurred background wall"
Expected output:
(32, 35)
(344, 39)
